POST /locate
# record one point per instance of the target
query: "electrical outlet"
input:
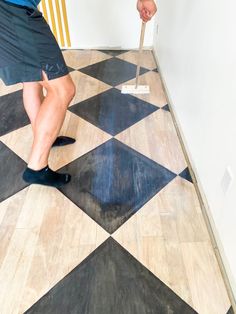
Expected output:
(227, 180)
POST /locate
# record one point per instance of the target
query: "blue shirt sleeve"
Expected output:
(27, 3)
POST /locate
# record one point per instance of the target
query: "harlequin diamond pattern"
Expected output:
(11, 169)
(110, 280)
(114, 184)
(113, 71)
(12, 113)
(112, 111)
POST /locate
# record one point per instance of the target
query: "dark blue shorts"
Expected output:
(27, 46)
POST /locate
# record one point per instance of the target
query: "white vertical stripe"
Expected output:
(56, 21)
(63, 24)
(49, 15)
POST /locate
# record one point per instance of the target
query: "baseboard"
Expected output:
(215, 239)
(105, 48)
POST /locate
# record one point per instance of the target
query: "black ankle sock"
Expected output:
(62, 141)
(46, 176)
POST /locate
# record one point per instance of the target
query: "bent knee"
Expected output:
(66, 91)
(62, 88)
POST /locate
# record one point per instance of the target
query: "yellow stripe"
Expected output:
(45, 13)
(58, 20)
(54, 29)
(60, 23)
(66, 22)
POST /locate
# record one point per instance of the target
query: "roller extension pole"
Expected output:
(140, 53)
(137, 89)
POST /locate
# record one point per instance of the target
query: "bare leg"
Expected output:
(48, 118)
(32, 98)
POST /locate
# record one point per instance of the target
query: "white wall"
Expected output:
(106, 24)
(196, 48)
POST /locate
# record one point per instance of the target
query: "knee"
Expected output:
(64, 93)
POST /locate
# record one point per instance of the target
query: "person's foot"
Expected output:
(63, 141)
(46, 176)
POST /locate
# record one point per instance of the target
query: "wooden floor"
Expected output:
(45, 233)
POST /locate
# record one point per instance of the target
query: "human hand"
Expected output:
(146, 8)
